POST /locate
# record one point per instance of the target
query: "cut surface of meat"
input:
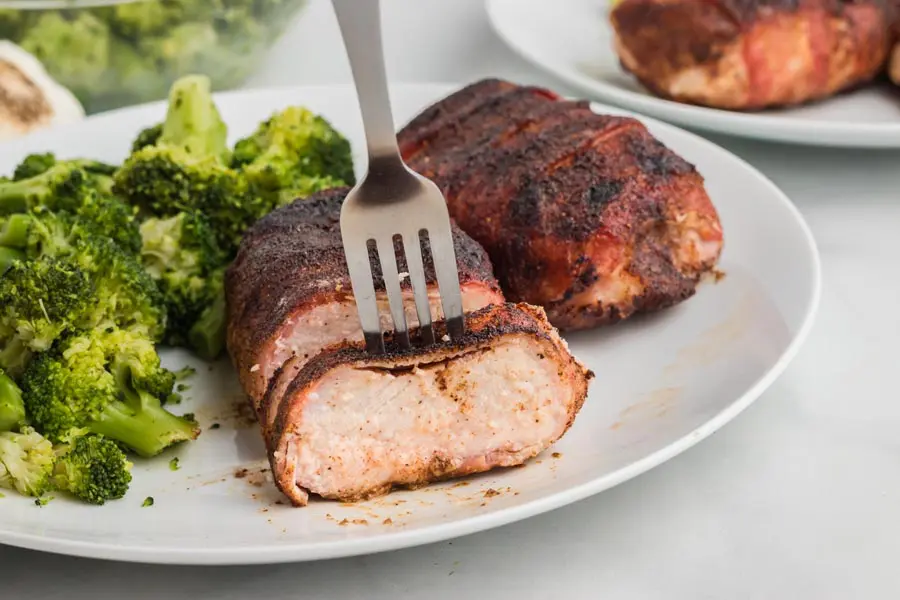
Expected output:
(751, 54)
(351, 425)
(289, 292)
(586, 215)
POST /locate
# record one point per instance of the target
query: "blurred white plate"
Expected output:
(663, 384)
(572, 40)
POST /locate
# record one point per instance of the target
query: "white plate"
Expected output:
(572, 40)
(663, 384)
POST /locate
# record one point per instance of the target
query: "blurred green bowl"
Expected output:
(113, 53)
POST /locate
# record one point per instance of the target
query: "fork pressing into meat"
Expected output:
(391, 204)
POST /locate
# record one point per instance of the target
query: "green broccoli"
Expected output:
(65, 186)
(182, 255)
(39, 301)
(114, 286)
(110, 383)
(12, 408)
(8, 256)
(186, 169)
(26, 461)
(192, 47)
(134, 20)
(74, 45)
(207, 335)
(36, 164)
(93, 469)
(148, 136)
(304, 186)
(292, 144)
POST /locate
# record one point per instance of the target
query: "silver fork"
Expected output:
(391, 200)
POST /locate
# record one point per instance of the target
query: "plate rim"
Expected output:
(289, 553)
(838, 134)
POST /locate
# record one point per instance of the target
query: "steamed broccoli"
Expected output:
(93, 469)
(81, 268)
(66, 186)
(26, 462)
(147, 137)
(138, 19)
(207, 335)
(35, 164)
(182, 255)
(108, 382)
(290, 145)
(12, 408)
(186, 169)
(39, 301)
(8, 256)
(78, 38)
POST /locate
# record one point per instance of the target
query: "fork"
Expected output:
(391, 200)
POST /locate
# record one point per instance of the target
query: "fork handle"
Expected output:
(360, 23)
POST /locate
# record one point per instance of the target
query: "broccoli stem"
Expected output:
(14, 231)
(207, 335)
(18, 196)
(147, 431)
(8, 256)
(12, 408)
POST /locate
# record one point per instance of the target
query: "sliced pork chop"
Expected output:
(351, 425)
(289, 292)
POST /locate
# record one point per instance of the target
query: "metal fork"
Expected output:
(391, 200)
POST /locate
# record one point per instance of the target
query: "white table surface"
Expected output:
(799, 498)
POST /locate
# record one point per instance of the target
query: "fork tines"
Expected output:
(394, 251)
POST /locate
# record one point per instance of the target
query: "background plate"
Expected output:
(663, 384)
(572, 40)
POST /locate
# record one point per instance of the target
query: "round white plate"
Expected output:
(663, 384)
(572, 40)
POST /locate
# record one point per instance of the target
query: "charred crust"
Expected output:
(555, 193)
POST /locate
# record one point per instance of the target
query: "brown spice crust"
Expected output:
(740, 46)
(484, 328)
(561, 197)
(293, 259)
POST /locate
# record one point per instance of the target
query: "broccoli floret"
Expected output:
(93, 469)
(303, 187)
(186, 169)
(191, 47)
(74, 45)
(26, 461)
(193, 122)
(12, 408)
(8, 256)
(119, 292)
(35, 164)
(13, 22)
(292, 144)
(108, 382)
(207, 335)
(58, 185)
(66, 186)
(148, 136)
(39, 301)
(134, 20)
(181, 253)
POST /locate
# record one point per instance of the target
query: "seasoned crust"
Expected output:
(294, 258)
(563, 198)
(732, 53)
(484, 327)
